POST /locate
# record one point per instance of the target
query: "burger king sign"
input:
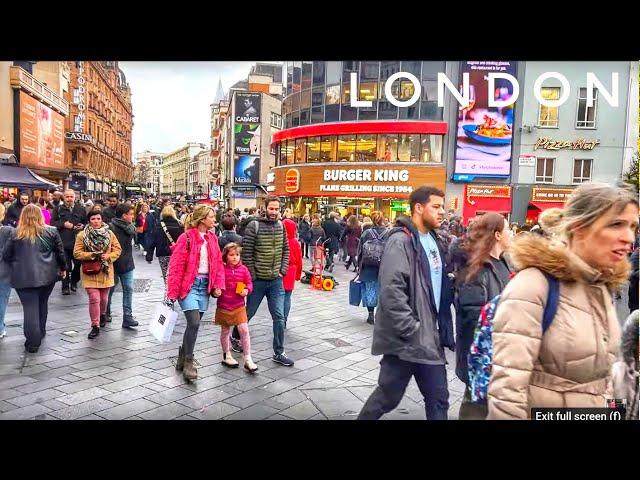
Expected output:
(292, 180)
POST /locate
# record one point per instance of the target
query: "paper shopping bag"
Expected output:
(163, 322)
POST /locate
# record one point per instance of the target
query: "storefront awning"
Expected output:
(542, 206)
(22, 177)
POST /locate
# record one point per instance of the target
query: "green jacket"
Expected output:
(265, 249)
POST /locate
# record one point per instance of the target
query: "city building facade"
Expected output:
(175, 169)
(32, 117)
(98, 128)
(148, 171)
(331, 156)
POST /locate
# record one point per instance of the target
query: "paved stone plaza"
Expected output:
(126, 374)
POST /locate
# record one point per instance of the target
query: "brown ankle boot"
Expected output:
(189, 372)
(180, 361)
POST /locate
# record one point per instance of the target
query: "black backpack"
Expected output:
(372, 249)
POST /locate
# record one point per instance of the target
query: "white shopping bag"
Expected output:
(163, 322)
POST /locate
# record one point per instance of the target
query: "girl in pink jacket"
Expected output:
(195, 272)
(231, 308)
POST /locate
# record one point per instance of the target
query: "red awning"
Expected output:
(542, 206)
(363, 127)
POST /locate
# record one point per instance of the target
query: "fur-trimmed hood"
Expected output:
(553, 257)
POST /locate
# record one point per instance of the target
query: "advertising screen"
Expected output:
(484, 134)
(41, 134)
(248, 107)
(246, 170)
(247, 138)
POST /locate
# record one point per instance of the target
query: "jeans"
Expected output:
(274, 292)
(329, 254)
(5, 291)
(73, 269)
(35, 304)
(98, 298)
(127, 292)
(287, 306)
(395, 375)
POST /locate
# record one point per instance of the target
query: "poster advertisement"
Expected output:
(248, 107)
(484, 134)
(41, 134)
(246, 170)
(247, 138)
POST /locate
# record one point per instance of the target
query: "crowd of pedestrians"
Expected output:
(416, 274)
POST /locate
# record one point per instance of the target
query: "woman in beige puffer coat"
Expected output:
(570, 366)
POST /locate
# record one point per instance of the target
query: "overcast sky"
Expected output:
(171, 100)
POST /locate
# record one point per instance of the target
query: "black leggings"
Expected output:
(35, 305)
(191, 332)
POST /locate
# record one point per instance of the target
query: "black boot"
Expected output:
(370, 318)
(74, 287)
(95, 331)
(66, 291)
(103, 320)
(128, 321)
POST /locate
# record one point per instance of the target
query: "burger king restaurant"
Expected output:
(353, 189)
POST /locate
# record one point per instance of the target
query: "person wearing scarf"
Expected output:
(97, 243)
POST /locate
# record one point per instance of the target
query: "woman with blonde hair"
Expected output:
(35, 255)
(195, 272)
(164, 238)
(5, 271)
(569, 365)
(97, 247)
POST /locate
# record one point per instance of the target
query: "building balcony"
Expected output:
(21, 79)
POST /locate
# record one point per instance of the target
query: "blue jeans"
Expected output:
(198, 296)
(287, 306)
(274, 292)
(5, 291)
(127, 292)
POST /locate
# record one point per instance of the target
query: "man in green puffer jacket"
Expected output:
(265, 252)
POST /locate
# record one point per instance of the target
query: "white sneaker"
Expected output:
(3, 334)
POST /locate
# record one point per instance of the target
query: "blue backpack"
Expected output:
(481, 353)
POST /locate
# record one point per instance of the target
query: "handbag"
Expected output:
(163, 322)
(355, 291)
(92, 267)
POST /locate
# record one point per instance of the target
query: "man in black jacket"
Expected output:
(14, 211)
(69, 218)
(228, 234)
(123, 228)
(109, 213)
(247, 220)
(413, 320)
(332, 230)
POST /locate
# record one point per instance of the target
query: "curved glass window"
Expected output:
(387, 147)
(300, 154)
(313, 149)
(306, 75)
(289, 149)
(318, 74)
(366, 148)
(328, 149)
(346, 148)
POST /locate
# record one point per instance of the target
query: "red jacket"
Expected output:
(295, 256)
(230, 300)
(183, 266)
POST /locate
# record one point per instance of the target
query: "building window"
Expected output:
(317, 114)
(290, 151)
(328, 149)
(276, 120)
(431, 148)
(582, 170)
(548, 116)
(429, 109)
(544, 170)
(301, 151)
(283, 153)
(346, 148)
(313, 149)
(387, 148)
(318, 74)
(366, 148)
(586, 115)
(409, 148)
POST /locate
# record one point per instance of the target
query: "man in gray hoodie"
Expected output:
(413, 320)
